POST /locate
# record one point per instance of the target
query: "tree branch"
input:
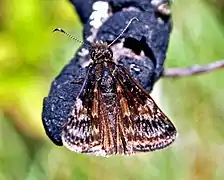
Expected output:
(193, 70)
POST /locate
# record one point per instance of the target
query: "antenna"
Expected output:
(132, 19)
(69, 35)
(72, 37)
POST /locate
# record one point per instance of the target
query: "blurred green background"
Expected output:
(31, 57)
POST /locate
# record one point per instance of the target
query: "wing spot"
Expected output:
(124, 106)
(95, 109)
(95, 90)
(119, 89)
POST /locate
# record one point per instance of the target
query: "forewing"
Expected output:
(143, 126)
(88, 130)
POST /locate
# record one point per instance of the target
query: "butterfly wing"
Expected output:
(143, 126)
(89, 128)
(114, 115)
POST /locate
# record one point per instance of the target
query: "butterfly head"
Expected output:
(101, 52)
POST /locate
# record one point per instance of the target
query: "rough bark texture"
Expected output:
(141, 49)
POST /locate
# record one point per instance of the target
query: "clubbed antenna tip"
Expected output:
(60, 30)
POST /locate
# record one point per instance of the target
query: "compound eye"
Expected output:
(93, 54)
(109, 53)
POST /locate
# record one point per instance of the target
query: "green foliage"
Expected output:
(31, 56)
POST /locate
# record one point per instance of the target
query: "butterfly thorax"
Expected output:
(100, 52)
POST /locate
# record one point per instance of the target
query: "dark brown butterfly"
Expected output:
(113, 114)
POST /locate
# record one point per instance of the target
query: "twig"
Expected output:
(193, 70)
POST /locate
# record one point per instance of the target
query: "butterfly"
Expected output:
(113, 114)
